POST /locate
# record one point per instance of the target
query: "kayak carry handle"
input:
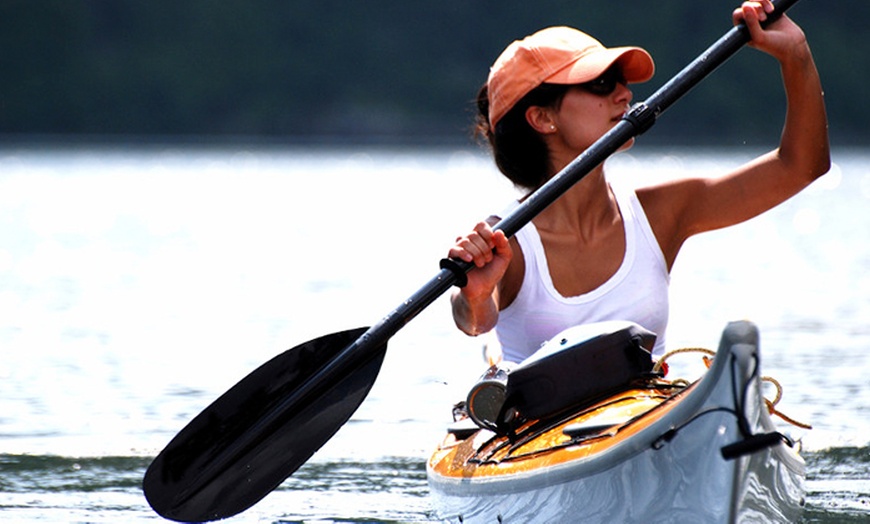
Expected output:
(752, 444)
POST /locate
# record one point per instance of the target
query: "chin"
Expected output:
(626, 146)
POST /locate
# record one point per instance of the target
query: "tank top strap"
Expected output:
(632, 210)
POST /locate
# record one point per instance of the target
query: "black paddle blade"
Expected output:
(259, 432)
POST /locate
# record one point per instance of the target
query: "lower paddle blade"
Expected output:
(259, 432)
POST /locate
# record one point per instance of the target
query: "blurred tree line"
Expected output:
(377, 70)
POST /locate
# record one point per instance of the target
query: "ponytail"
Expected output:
(519, 151)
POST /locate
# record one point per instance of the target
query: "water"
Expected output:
(136, 285)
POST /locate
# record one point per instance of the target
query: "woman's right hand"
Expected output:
(490, 252)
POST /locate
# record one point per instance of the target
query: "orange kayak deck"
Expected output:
(538, 445)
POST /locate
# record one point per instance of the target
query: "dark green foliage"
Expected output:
(375, 70)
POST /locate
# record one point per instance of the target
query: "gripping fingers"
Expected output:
(476, 247)
(752, 12)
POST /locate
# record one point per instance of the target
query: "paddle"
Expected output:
(259, 432)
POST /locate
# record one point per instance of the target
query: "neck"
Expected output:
(583, 210)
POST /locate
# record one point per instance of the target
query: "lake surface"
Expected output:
(138, 284)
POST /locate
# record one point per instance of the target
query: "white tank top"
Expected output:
(637, 292)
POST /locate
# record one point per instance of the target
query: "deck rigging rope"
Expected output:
(771, 404)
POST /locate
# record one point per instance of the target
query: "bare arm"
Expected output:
(476, 306)
(681, 209)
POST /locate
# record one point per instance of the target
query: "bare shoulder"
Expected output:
(670, 189)
(668, 206)
(669, 199)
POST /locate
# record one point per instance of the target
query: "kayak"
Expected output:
(636, 449)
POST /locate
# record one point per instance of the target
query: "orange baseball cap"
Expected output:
(557, 55)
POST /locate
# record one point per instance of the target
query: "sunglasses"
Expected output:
(606, 83)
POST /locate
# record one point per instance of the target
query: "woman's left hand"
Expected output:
(779, 39)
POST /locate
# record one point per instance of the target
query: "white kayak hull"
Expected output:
(645, 477)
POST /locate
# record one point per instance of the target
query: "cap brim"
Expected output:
(637, 66)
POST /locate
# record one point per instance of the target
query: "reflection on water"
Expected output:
(138, 285)
(392, 489)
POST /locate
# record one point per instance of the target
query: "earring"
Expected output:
(552, 127)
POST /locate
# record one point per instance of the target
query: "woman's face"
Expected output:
(589, 110)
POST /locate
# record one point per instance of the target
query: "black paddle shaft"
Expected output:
(259, 432)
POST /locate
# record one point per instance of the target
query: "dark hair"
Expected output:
(519, 151)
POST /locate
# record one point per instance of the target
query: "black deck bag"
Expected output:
(578, 366)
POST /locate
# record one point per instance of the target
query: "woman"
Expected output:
(600, 252)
